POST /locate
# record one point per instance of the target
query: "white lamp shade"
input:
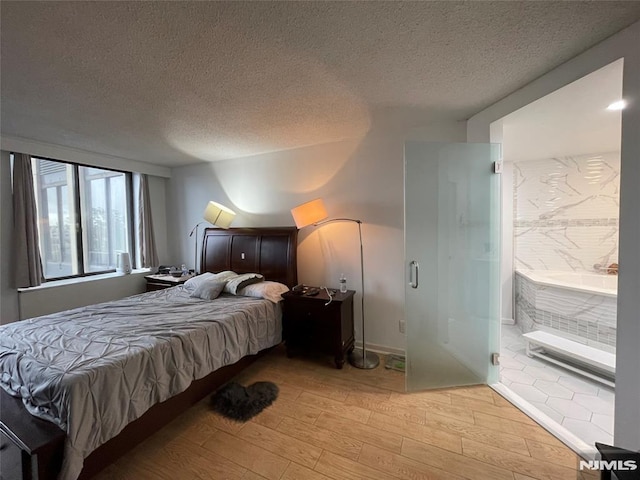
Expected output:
(219, 215)
(309, 213)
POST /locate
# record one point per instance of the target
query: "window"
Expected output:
(85, 217)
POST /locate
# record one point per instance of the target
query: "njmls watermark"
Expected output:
(612, 466)
(611, 461)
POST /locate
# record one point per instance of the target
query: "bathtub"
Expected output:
(591, 283)
(578, 306)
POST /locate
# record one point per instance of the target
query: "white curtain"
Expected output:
(146, 238)
(28, 264)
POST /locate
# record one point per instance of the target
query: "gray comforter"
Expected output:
(94, 369)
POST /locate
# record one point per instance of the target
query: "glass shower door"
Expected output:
(452, 252)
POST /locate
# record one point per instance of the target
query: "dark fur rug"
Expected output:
(241, 403)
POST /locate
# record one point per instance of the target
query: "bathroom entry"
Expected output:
(560, 256)
(452, 255)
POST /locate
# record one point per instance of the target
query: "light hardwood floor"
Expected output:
(356, 425)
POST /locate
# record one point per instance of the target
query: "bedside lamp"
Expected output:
(217, 215)
(314, 213)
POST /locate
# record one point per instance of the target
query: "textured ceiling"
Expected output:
(180, 82)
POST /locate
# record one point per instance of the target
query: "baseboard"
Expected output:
(382, 349)
(508, 321)
(580, 447)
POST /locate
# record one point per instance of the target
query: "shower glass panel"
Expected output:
(452, 252)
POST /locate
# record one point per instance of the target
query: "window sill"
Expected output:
(91, 278)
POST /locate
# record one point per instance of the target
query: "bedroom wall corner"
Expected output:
(357, 178)
(8, 295)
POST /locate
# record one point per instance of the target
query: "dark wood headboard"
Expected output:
(269, 251)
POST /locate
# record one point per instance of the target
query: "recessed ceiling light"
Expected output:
(619, 105)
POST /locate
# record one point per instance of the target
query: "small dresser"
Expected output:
(312, 323)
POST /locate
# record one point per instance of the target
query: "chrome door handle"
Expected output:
(414, 267)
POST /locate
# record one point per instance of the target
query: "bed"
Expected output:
(154, 354)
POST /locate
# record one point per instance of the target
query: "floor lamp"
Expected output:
(314, 213)
(217, 215)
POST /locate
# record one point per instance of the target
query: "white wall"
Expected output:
(627, 423)
(360, 178)
(624, 44)
(50, 299)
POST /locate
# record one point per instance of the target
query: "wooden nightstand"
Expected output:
(310, 324)
(160, 282)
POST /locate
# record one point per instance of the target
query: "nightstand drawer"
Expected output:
(327, 314)
(157, 286)
(322, 325)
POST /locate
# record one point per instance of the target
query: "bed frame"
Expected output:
(37, 445)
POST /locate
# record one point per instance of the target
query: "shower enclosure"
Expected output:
(452, 254)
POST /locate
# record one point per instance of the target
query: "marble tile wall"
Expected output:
(566, 212)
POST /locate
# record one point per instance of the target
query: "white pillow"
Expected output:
(195, 282)
(240, 281)
(209, 289)
(267, 290)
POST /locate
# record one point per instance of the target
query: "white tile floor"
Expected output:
(582, 406)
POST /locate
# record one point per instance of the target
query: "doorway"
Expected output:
(560, 244)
